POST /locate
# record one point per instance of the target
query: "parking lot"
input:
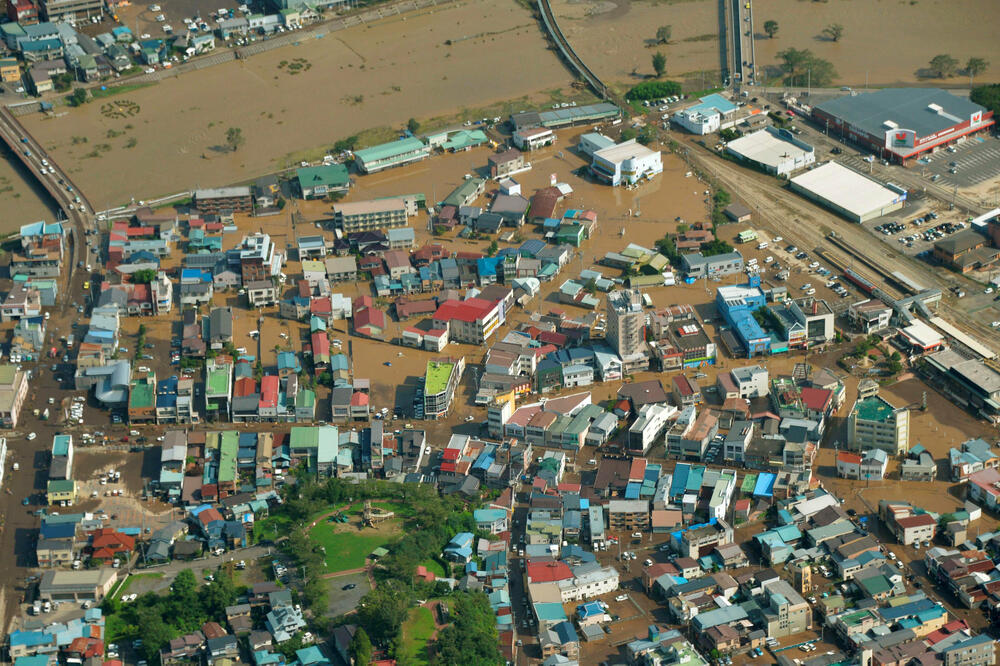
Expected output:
(915, 232)
(973, 162)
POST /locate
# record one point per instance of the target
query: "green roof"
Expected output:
(330, 175)
(436, 378)
(61, 486)
(228, 448)
(462, 192)
(303, 437)
(141, 395)
(7, 373)
(218, 381)
(874, 409)
(464, 139)
(388, 150)
(305, 398)
(874, 585)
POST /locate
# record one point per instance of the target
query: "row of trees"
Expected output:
(944, 66)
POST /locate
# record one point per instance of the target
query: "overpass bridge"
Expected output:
(74, 203)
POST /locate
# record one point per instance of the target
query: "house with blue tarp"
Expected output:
(25, 643)
(737, 305)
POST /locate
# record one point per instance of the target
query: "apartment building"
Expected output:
(472, 321)
(373, 215)
(874, 423)
(628, 515)
(626, 329)
(440, 383)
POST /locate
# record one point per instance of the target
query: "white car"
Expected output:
(31, 436)
(989, 290)
(149, 70)
(160, 18)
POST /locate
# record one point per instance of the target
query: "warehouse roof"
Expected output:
(770, 147)
(846, 189)
(926, 111)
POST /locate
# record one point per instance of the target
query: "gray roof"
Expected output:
(908, 108)
(220, 323)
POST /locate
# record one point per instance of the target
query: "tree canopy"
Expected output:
(802, 67)
(771, 28)
(988, 96)
(653, 90)
(659, 64)
(943, 65)
(471, 640)
(663, 33)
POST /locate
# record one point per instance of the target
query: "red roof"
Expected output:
(547, 571)
(320, 305)
(920, 520)
(435, 333)
(451, 454)
(369, 317)
(423, 573)
(359, 399)
(742, 505)
(683, 385)
(269, 391)
(112, 539)
(637, 471)
(848, 458)
(817, 399)
(552, 338)
(244, 386)
(568, 487)
(320, 344)
(209, 515)
(471, 310)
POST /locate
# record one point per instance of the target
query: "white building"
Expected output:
(626, 163)
(874, 423)
(848, 193)
(706, 116)
(751, 381)
(534, 138)
(649, 427)
(591, 142)
(589, 585)
(777, 151)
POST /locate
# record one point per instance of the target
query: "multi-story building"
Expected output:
(625, 163)
(235, 199)
(870, 316)
(24, 12)
(71, 10)
(626, 329)
(218, 388)
(628, 515)
(785, 612)
(13, 391)
(373, 215)
(259, 259)
(874, 423)
(440, 382)
(472, 321)
(751, 381)
(387, 155)
(142, 399)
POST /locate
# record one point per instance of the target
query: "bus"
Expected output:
(746, 236)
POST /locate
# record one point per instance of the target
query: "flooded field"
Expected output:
(21, 199)
(616, 38)
(884, 42)
(296, 100)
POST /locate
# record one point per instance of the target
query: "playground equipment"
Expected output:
(372, 515)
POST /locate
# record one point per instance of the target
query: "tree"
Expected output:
(975, 66)
(988, 96)
(78, 97)
(663, 34)
(492, 249)
(659, 64)
(144, 276)
(653, 90)
(771, 28)
(413, 125)
(834, 32)
(383, 610)
(234, 138)
(801, 66)
(472, 637)
(361, 647)
(943, 65)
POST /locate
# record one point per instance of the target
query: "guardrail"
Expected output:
(574, 61)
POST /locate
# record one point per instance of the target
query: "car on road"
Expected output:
(31, 436)
(349, 586)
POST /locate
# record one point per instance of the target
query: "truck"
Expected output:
(69, 341)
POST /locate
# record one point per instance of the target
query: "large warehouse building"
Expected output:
(777, 151)
(899, 124)
(847, 192)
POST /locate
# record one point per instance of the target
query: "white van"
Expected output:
(762, 245)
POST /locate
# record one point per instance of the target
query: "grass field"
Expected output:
(271, 527)
(434, 567)
(417, 631)
(346, 547)
(122, 587)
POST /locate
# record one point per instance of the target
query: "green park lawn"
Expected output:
(417, 631)
(346, 547)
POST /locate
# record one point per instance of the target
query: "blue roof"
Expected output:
(765, 484)
(29, 638)
(714, 102)
(33, 660)
(632, 490)
(549, 612)
(57, 531)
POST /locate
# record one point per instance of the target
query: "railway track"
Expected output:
(572, 59)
